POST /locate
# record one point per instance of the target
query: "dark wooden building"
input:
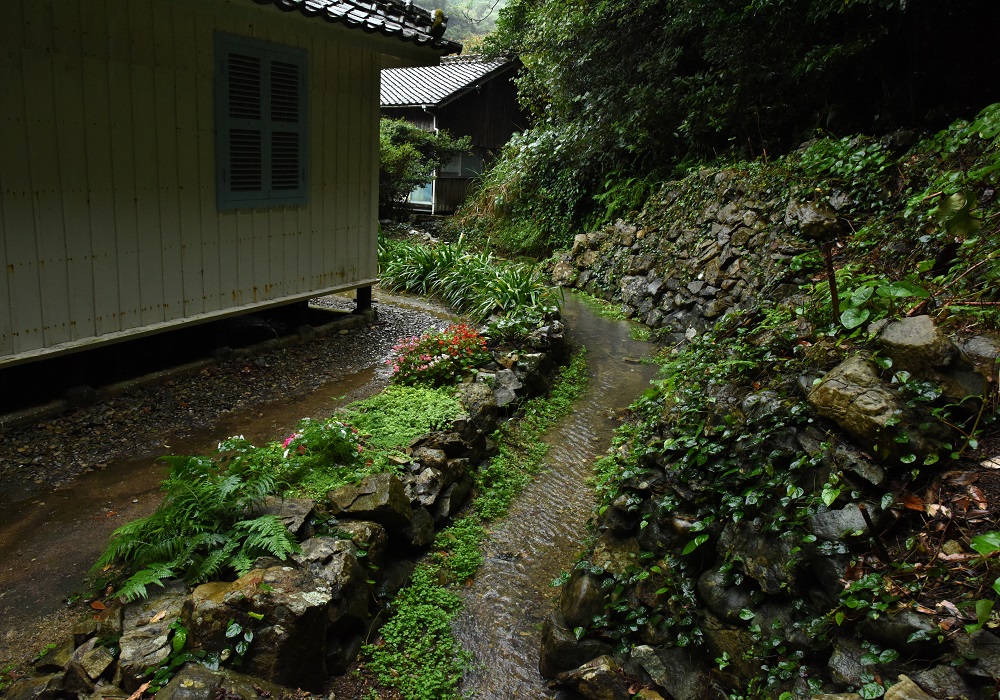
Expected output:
(467, 96)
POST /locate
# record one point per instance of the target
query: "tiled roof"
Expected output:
(393, 18)
(437, 85)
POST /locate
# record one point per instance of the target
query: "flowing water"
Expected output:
(541, 536)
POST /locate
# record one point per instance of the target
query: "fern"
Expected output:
(201, 530)
(135, 587)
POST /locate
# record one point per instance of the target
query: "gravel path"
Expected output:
(68, 481)
(52, 452)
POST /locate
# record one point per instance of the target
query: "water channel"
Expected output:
(542, 534)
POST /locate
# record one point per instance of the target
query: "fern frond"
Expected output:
(135, 586)
(266, 535)
(208, 567)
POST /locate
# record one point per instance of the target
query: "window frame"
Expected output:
(294, 134)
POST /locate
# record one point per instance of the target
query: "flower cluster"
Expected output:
(438, 357)
(333, 440)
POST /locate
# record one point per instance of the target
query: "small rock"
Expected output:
(906, 689)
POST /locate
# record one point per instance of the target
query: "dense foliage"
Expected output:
(515, 297)
(408, 157)
(623, 93)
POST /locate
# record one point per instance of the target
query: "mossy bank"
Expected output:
(804, 502)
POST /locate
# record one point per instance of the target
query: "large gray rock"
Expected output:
(370, 540)
(335, 561)
(916, 343)
(379, 498)
(943, 682)
(452, 498)
(145, 640)
(196, 682)
(815, 219)
(674, 670)
(845, 662)
(289, 638)
(853, 396)
(36, 688)
(906, 689)
(894, 631)
(294, 513)
(582, 599)
(774, 563)
(598, 679)
(722, 598)
(480, 406)
(982, 649)
(839, 524)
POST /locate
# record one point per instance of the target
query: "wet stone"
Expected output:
(598, 679)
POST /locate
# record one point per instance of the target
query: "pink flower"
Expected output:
(288, 440)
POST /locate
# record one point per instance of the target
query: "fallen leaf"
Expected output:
(935, 510)
(913, 502)
(964, 556)
(991, 463)
(97, 605)
(158, 616)
(978, 496)
(960, 478)
(139, 691)
(948, 607)
(924, 609)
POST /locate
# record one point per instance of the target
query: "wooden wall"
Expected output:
(108, 218)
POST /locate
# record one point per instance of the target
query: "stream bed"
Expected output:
(541, 536)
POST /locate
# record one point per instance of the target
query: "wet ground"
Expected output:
(67, 482)
(542, 534)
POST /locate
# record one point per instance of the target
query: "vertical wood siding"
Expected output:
(108, 218)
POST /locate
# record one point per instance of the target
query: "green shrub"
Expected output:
(418, 653)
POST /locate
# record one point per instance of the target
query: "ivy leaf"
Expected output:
(694, 544)
(179, 639)
(830, 494)
(986, 544)
(854, 317)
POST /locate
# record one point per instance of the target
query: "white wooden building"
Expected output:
(165, 162)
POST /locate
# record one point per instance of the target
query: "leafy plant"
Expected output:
(418, 653)
(438, 357)
(203, 529)
(398, 414)
(479, 284)
(408, 156)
